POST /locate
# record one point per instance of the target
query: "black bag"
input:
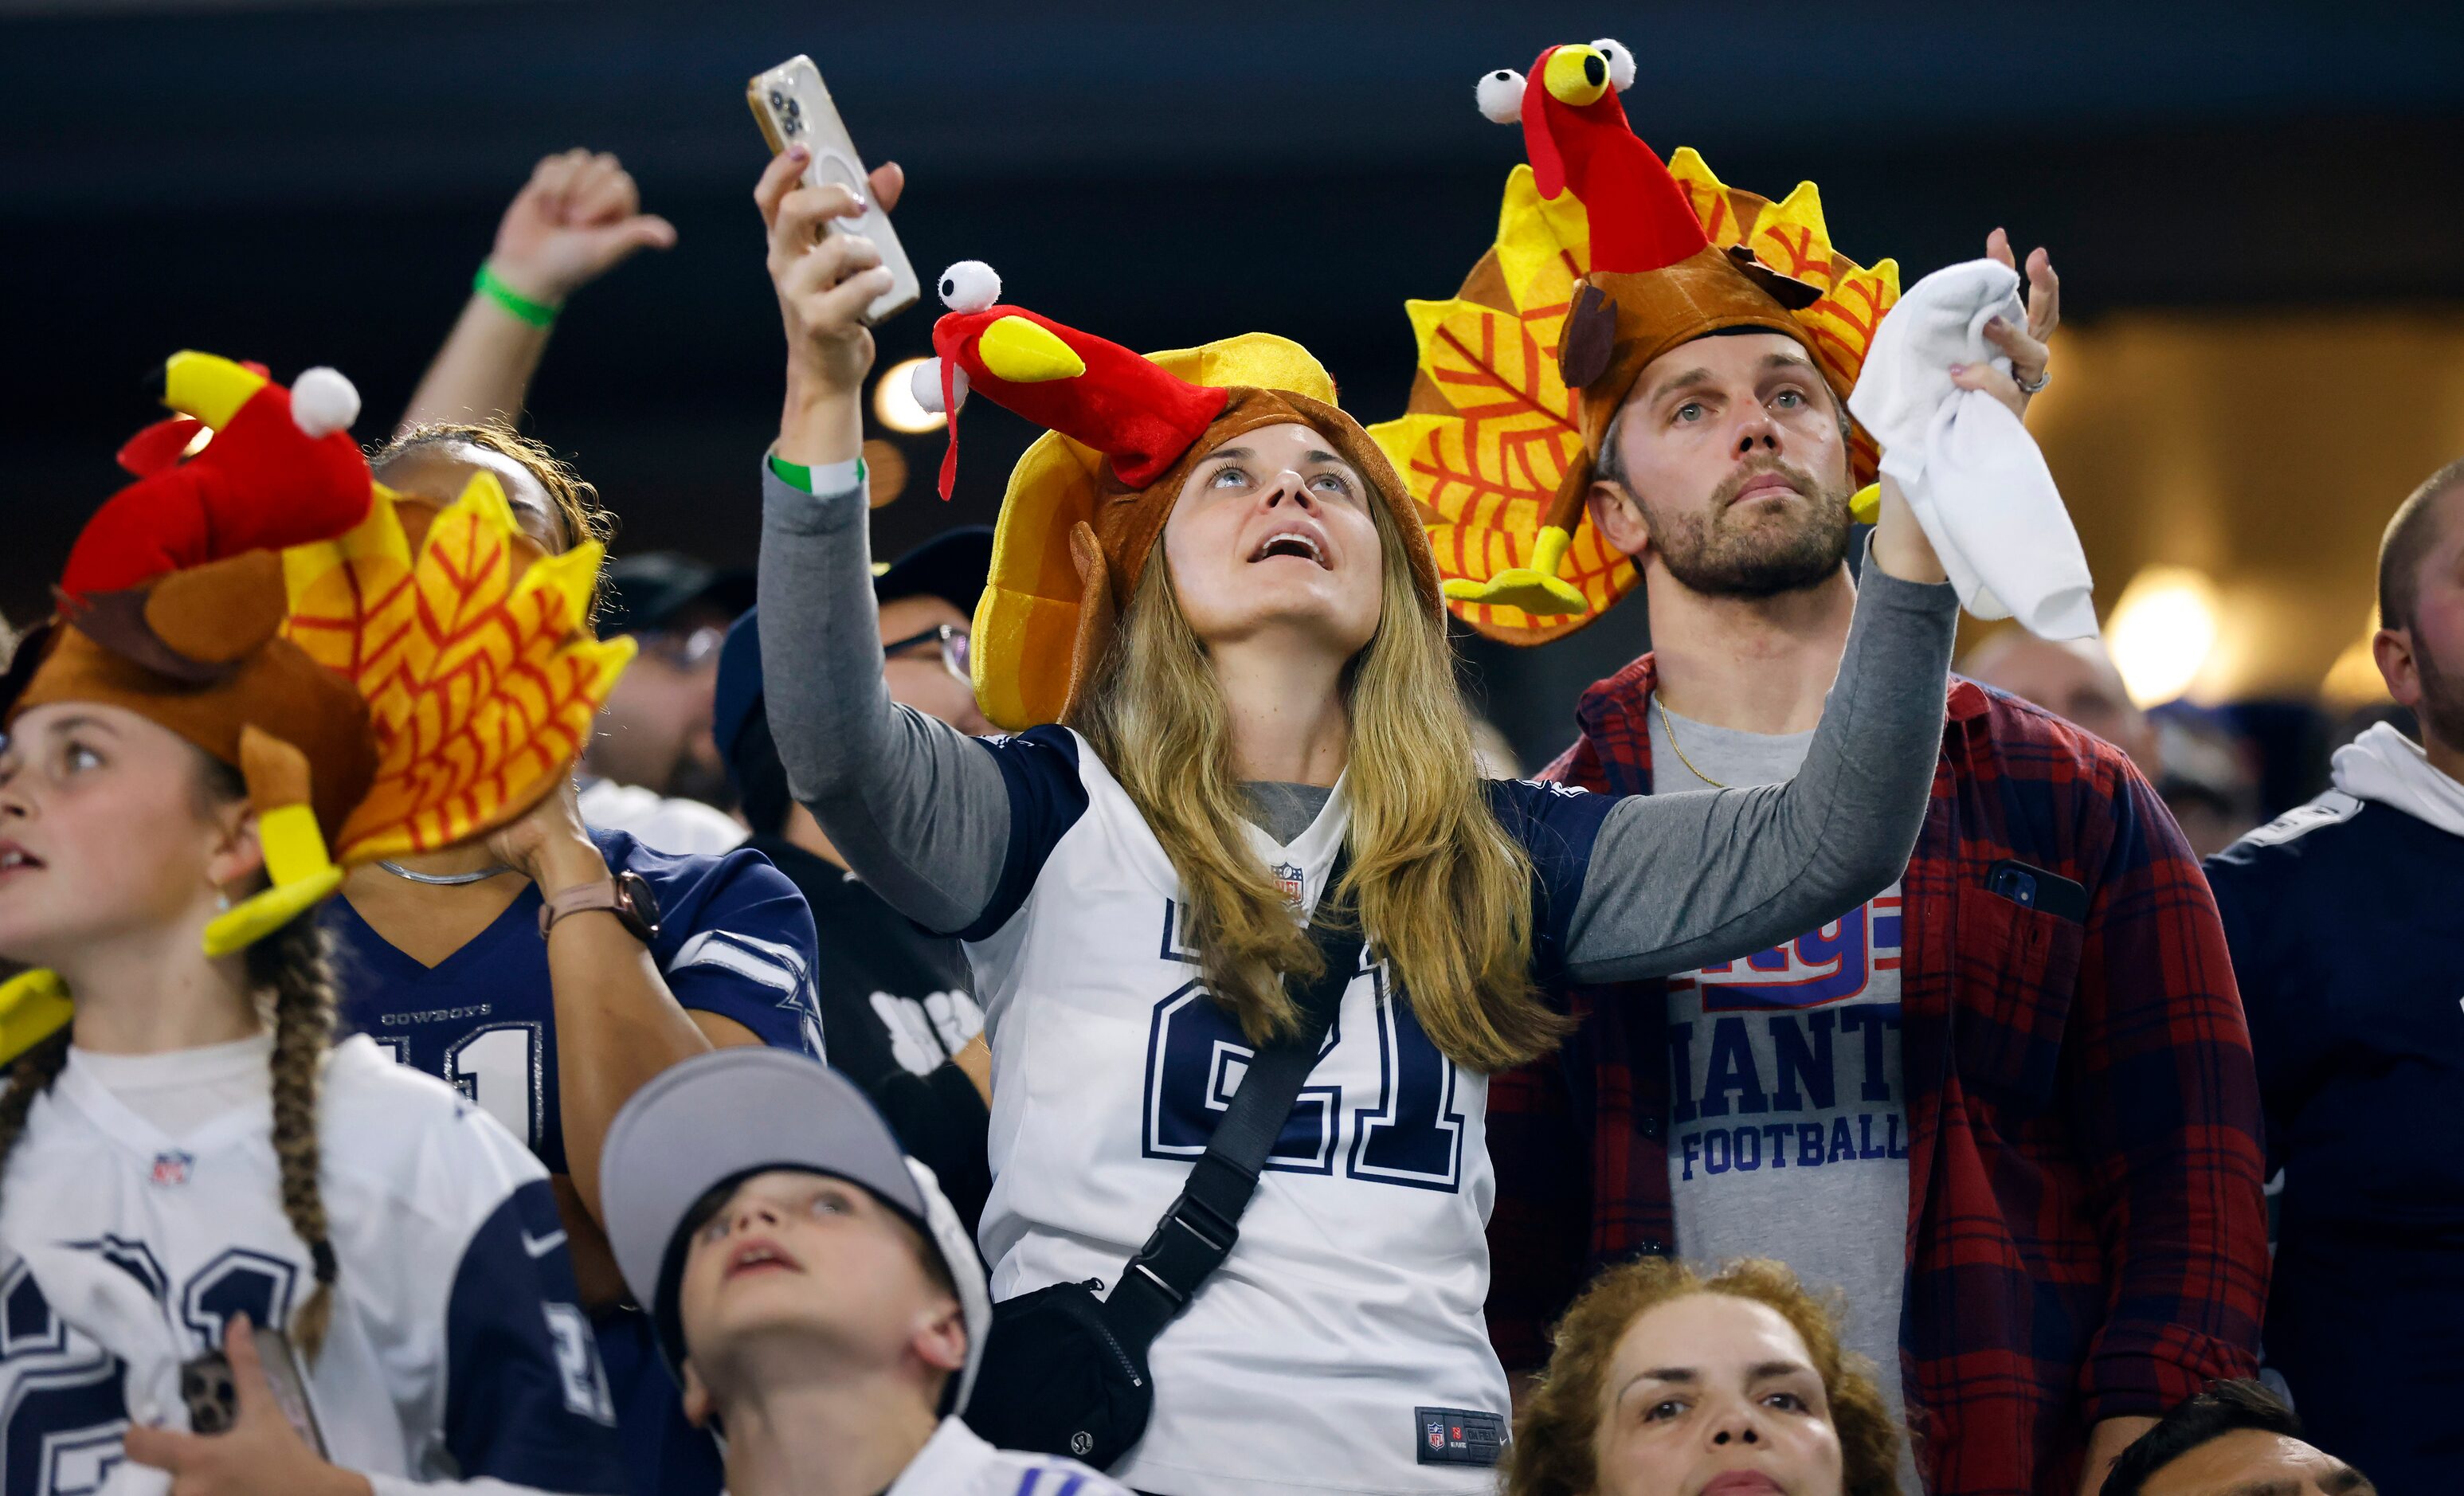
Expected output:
(1064, 1372)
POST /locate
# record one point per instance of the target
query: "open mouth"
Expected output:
(15, 858)
(758, 1256)
(1296, 543)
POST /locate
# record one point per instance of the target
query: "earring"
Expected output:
(222, 902)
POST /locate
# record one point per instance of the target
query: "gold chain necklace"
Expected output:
(1670, 728)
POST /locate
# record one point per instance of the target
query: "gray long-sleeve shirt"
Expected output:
(921, 813)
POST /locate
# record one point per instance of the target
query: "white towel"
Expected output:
(1971, 472)
(116, 1312)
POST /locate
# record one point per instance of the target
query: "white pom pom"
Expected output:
(925, 384)
(1620, 63)
(1501, 95)
(323, 402)
(970, 286)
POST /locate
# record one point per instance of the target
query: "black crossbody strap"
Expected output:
(1195, 1235)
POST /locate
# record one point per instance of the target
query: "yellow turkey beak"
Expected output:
(210, 388)
(1576, 75)
(1536, 590)
(1026, 353)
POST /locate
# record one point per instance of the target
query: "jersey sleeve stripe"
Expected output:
(772, 965)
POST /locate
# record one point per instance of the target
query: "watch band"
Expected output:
(608, 893)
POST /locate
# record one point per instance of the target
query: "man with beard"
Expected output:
(2007, 1109)
(2343, 920)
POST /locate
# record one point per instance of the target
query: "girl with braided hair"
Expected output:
(234, 1255)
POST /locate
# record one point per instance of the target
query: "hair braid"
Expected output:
(292, 963)
(29, 1078)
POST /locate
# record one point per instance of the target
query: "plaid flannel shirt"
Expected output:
(2086, 1231)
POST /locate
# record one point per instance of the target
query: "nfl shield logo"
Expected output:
(171, 1169)
(1438, 1435)
(1288, 878)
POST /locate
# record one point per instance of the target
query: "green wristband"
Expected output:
(538, 314)
(798, 475)
(795, 474)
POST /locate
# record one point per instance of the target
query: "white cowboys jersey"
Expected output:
(956, 1462)
(456, 1348)
(1342, 1346)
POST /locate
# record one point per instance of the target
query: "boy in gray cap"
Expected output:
(814, 1293)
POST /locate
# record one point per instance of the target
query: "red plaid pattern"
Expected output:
(2086, 1231)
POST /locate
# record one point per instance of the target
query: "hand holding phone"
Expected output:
(210, 1385)
(822, 288)
(253, 1428)
(793, 107)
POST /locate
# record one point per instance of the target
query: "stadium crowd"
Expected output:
(1072, 1011)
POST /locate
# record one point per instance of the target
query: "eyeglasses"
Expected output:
(952, 641)
(683, 650)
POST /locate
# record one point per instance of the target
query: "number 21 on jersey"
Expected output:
(1409, 1134)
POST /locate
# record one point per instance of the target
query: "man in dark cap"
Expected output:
(896, 1010)
(655, 733)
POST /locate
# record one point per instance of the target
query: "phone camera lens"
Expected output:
(796, 106)
(778, 100)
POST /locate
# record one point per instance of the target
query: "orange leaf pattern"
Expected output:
(1487, 463)
(481, 682)
(352, 604)
(1492, 430)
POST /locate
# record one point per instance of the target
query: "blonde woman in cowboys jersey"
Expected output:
(1213, 621)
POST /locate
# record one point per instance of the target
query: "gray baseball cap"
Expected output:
(723, 1116)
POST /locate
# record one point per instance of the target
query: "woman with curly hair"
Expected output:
(1663, 1382)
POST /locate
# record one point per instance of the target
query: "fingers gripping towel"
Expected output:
(1971, 472)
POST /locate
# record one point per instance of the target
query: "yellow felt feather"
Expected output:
(1543, 245)
(480, 675)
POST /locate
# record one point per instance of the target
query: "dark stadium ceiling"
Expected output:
(265, 102)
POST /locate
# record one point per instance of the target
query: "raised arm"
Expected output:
(918, 810)
(578, 217)
(1679, 880)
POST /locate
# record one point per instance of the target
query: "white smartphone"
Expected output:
(794, 108)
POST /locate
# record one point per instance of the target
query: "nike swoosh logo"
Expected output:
(541, 1245)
